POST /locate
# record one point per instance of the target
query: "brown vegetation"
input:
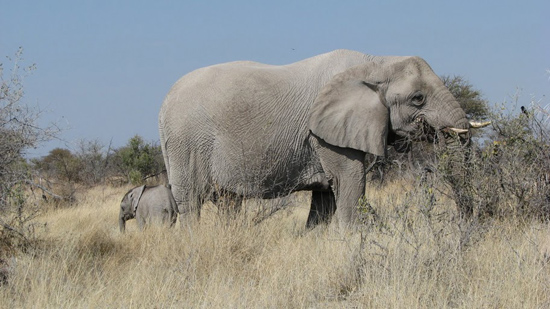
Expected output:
(410, 256)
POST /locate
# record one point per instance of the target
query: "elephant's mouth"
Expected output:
(411, 130)
(423, 127)
(417, 128)
(423, 131)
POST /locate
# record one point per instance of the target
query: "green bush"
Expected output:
(139, 160)
(60, 164)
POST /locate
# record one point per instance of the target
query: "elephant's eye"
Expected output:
(418, 99)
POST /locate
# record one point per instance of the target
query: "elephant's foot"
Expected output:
(188, 222)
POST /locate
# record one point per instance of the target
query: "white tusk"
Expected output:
(477, 125)
(459, 131)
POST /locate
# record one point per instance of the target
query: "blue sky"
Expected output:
(104, 67)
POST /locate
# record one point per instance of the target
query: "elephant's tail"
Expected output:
(164, 142)
(173, 206)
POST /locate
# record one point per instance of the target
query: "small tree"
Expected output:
(59, 164)
(470, 99)
(19, 132)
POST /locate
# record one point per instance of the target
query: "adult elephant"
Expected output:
(247, 129)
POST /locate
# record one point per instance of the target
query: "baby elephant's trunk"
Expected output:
(122, 223)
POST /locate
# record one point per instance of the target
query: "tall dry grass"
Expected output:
(412, 256)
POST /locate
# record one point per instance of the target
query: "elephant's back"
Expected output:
(223, 82)
(215, 85)
(211, 96)
(157, 196)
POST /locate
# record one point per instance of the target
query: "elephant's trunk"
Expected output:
(456, 154)
(122, 223)
(453, 118)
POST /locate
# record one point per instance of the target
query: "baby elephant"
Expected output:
(148, 204)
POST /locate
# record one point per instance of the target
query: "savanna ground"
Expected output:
(413, 252)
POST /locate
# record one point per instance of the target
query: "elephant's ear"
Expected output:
(348, 112)
(139, 193)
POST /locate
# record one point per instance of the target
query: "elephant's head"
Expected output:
(128, 206)
(364, 106)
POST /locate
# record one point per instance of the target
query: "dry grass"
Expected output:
(408, 258)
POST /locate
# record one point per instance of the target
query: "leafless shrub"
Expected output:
(507, 174)
(502, 172)
(19, 132)
(93, 161)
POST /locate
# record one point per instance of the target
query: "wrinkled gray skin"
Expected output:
(148, 205)
(246, 129)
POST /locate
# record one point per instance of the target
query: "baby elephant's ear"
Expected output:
(137, 196)
(348, 112)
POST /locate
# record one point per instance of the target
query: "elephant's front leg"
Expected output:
(348, 191)
(141, 221)
(345, 169)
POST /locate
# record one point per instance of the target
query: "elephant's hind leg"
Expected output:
(323, 206)
(190, 212)
(229, 203)
(168, 217)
